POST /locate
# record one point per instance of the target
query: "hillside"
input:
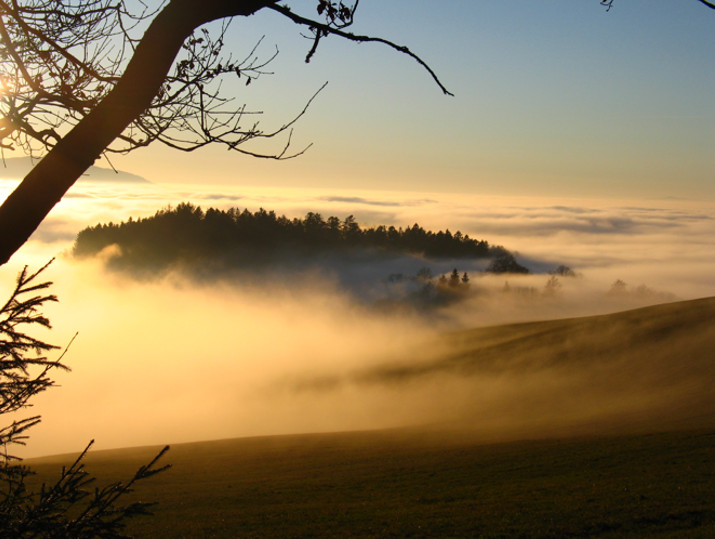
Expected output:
(622, 444)
(216, 241)
(643, 369)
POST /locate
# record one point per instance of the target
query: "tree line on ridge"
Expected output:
(187, 232)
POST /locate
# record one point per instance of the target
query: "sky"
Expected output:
(552, 97)
(575, 136)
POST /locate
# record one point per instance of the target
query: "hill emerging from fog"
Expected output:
(215, 241)
(649, 368)
(636, 387)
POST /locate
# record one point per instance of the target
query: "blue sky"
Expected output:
(552, 97)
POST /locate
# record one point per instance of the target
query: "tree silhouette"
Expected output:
(85, 78)
(564, 271)
(618, 288)
(504, 262)
(609, 4)
(187, 237)
(71, 506)
(552, 286)
(454, 278)
(80, 79)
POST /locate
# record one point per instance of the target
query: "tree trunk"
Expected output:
(45, 185)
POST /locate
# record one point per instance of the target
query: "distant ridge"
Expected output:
(17, 167)
(191, 239)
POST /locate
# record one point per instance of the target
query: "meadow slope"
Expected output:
(622, 444)
(638, 370)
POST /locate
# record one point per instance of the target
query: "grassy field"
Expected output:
(412, 483)
(644, 467)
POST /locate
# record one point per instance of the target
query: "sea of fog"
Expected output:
(171, 360)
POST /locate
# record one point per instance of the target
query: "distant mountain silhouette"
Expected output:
(17, 167)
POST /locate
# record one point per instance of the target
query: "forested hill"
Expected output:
(186, 233)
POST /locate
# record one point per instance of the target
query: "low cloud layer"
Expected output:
(171, 360)
(665, 244)
(166, 362)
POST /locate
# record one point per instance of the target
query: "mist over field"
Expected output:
(171, 359)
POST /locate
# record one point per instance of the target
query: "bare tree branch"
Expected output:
(323, 29)
(708, 4)
(79, 79)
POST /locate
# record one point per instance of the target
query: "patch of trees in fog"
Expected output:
(247, 239)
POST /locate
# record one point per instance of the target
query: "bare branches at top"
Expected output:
(339, 16)
(609, 4)
(60, 59)
(79, 78)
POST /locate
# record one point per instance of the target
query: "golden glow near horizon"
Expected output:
(576, 137)
(136, 366)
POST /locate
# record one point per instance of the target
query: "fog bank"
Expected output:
(171, 359)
